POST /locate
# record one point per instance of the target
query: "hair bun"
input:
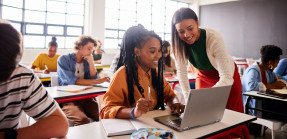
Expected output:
(54, 39)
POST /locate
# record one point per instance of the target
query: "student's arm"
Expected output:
(53, 126)
(252, 81)
(90, 59)
(36, 62)
(171, 99)
(281, 69)
(91, 81)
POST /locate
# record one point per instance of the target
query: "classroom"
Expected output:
(143, 69)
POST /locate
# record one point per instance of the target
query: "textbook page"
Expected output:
(73, 88)
(114, 127)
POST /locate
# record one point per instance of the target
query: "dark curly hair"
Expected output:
(136, 36)
(270, 52)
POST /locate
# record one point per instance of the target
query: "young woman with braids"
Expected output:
(140, 65)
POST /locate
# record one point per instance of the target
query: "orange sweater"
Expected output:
(116, 97)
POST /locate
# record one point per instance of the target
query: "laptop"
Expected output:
(106, 59)
(204, 106)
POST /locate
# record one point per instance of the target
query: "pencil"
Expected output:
(148, 96)
(276, 76)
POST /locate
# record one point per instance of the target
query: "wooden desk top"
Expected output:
(230, 119)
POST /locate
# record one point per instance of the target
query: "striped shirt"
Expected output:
(23, 91)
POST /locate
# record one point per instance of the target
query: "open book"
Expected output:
(115, 127)
(73, 88)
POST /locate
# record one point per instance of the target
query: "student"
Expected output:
(97, 53)
(21, 91)
(205, 50)
(281, 69)
(47, 62)
(78, 69)
(128, 94)
(169, 64)
(260, 76)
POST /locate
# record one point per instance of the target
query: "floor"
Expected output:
(278, 134)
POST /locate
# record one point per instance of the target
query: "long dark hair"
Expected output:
(178, 46)
(135, 36)
(167, 60)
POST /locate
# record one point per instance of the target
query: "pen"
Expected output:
(148, 95)
(276, 76)
(46, 67)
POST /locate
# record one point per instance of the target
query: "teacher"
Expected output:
(205, 49)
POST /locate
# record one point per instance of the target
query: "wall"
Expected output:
(246, 25)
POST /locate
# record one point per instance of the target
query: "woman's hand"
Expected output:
(177, 107)
(142, 107)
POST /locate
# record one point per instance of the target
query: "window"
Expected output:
(154, 15)
(39, 20)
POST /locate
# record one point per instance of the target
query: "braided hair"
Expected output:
(135, 36)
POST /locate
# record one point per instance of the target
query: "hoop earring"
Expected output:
(270, 67)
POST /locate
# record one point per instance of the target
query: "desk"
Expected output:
(100, 66)
(255, 95)
(46, 77)
(230, 120)
(60, 96)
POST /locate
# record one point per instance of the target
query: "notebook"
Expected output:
(204, 106)
(115, 127)
(73, 88)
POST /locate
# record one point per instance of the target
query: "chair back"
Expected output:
(54, 81)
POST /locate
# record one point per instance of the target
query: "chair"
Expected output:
(99, 100)
(273, 125)
(54, 81)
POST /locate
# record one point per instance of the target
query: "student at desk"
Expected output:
(78, 69)
(281, 69)
(260, 76)
(47, 62)
(137, 86)
(97, 53)
(169, 64)
(21, 91)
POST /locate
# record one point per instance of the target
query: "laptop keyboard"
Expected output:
(175, 122)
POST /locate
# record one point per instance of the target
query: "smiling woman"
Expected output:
(138, 84)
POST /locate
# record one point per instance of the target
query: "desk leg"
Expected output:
(247, 105)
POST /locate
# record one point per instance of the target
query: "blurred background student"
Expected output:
(97, 53)
(169, 64)
(47, 61)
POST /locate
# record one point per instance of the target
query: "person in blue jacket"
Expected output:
(281, 69)
(260, 75)
(78, 69)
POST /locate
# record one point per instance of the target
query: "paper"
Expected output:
(114, 127)
(73, 88)
(104, 84)
(280, 91)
